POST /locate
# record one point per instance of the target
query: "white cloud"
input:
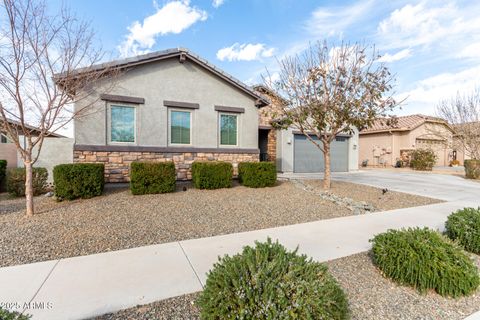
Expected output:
(470, 51)
(245, 52)
(425, 24)
(174, 17)
(332, 21)
(443, 86)
(217, 3)
(400, 55)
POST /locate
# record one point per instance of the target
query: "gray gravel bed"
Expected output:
(118, 220)
(389, 201)
(370, 295)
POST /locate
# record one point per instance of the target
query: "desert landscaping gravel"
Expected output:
(370, 295)
(118, 220)
(374, 196)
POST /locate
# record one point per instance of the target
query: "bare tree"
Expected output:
(463, 114)
(39, 54)
(332, 90)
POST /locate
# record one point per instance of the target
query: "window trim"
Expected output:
(109, 122)
(237, 116)
(169, 123)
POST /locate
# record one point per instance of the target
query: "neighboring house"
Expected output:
(293, 152)
(168, 105)
(56, 149)
(384, 143)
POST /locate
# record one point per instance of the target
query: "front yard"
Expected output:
(118, 220)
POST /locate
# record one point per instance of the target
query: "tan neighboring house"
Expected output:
(8, 151)
(384, 143)
(56, 149)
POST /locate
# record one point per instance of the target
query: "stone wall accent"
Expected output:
(272, 145)
(117, 164)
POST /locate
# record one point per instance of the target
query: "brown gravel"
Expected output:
(119, 220)
(370, 295)
(388, 201)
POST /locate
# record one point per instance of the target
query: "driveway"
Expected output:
(439, 186)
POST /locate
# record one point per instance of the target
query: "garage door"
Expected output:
(308, 158)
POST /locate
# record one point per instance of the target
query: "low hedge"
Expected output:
(464, 227)
(12, 315)
(269, 282)
(3, 174)
(78, 180)
(152, 177)
(212, 175)
(423, 159)
(472, 169)
(425, 260)
(16, 181)
(257, 174)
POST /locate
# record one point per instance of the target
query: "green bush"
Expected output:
(269, 282)
(152, 177)
(16, 181)
(78, 180)
(257, 174)
(12, 315)
(464, 227)
(212, 175)
(425, 260)
(3, 174)
(472, 169)
(423, 159)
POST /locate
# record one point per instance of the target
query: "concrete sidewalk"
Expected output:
(82, 287)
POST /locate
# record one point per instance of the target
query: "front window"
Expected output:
(4, 139)
(122, 124)
(228, 129)
(180, 123)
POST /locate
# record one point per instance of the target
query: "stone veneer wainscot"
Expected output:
(117, 163)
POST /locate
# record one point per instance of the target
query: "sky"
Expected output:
(432, 47)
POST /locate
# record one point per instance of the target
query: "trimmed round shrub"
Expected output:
(78, 180)
(472, 169)
(3, 173)
(269, 282)
(463, 226)
(425, 260)
(16, 181)
(12, 315)
(152, 177)
(257, 174)
(212, 175)
(423, 159)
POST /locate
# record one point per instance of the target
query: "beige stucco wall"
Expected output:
(171, 80)
(54, 151)
(8, 152)
(390, 144)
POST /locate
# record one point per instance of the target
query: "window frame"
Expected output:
(237, 117)
(109, 130)
(4, 136)
(169, 123)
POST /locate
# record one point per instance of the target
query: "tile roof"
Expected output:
(404, 123)
(183, 53)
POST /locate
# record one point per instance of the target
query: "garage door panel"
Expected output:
(309, 158)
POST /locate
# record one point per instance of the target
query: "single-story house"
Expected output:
(386, 142)
(173, 105)
(167, 105)
(8, 150)
(291, 149)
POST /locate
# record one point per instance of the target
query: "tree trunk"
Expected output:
(326, 157)
(29, 187)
